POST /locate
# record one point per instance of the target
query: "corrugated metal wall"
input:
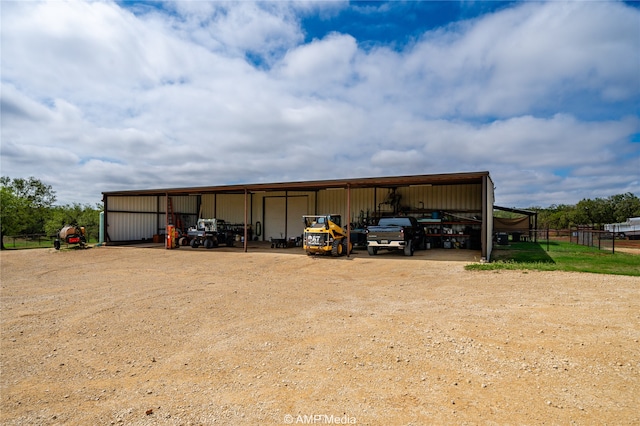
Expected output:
(444, 197)
(414, 199)
(230, 208)
(280, 223)
(208, 207)
(297, 205)
(131, 226)
(134, 204)
(185, 207)
(186, 204)
(333, 201)
(140, 217)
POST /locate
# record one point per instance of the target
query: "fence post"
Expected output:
(613, 241)
(547, 237)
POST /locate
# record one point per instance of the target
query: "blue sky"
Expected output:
(101, 96)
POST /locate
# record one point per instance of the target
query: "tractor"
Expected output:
(324, 235)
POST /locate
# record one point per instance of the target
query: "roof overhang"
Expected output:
(317, 185)
(519, 211)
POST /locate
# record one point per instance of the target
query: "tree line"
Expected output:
(589, 212)
(27, 206)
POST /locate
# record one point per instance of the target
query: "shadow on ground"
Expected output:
(456, 255)
(522, 252)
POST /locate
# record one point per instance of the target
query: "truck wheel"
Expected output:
(408, 249)
(208, 243)
(183, 241)
(372, 251)
(56, 244)
(337, 249)
(194, 243)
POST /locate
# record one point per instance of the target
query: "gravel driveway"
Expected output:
(147, 336)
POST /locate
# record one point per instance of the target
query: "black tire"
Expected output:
(208, 243)
(183, 241)
(408, 248)
(56, 244)
(337, 248)
(372, 250)
(347, 248)
(194, 243)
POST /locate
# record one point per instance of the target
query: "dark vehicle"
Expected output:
(395, 233)
(209, 233)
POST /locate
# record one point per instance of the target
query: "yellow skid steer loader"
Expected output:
(324, 235)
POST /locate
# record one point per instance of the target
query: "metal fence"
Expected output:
(602, 240)
(27, 241)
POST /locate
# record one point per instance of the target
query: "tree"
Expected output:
(556, 216)
(76, 215)
(624, 206)
(33, 190)
(25, 206)
(12, 213)
(590, 212)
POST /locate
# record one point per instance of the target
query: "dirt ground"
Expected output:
(148, 336)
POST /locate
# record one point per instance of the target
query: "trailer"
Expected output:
(71, 235)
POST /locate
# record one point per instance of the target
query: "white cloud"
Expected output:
(321, 63)
(165, 97)
(528, 57)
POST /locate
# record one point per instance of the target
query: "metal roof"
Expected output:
(370, 182)
(514, 210)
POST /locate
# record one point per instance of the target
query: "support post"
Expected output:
(245, 221)
(348, 219)
(166, 213)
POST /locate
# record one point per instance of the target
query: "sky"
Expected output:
(105, 96)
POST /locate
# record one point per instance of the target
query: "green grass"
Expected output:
(562, 256)
(11, 243)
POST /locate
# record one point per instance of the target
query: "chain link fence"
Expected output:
(586, 236)
(603, 240)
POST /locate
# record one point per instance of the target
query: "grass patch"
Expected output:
(561, 256)
(11, 243)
